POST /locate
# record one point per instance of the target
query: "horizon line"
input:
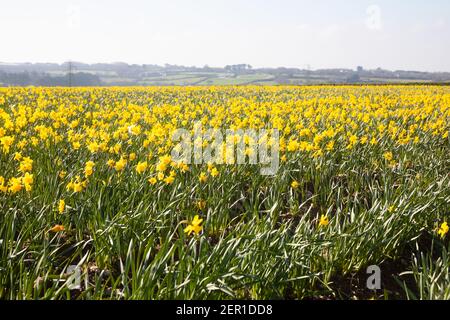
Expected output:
(306, 68)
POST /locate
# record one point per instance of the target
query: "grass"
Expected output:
(176, 82)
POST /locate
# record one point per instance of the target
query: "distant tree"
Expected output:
(79, 79)
(238, 68)
(354, 78)
(16, 79)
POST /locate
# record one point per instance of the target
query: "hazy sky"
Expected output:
(399, 34)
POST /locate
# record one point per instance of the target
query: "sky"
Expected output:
(316, 34)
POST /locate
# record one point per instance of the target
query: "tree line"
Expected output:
(44, 79)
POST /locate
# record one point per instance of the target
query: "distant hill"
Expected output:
(123, 74)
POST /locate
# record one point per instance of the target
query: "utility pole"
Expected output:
(70, 73)
(308, 73)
